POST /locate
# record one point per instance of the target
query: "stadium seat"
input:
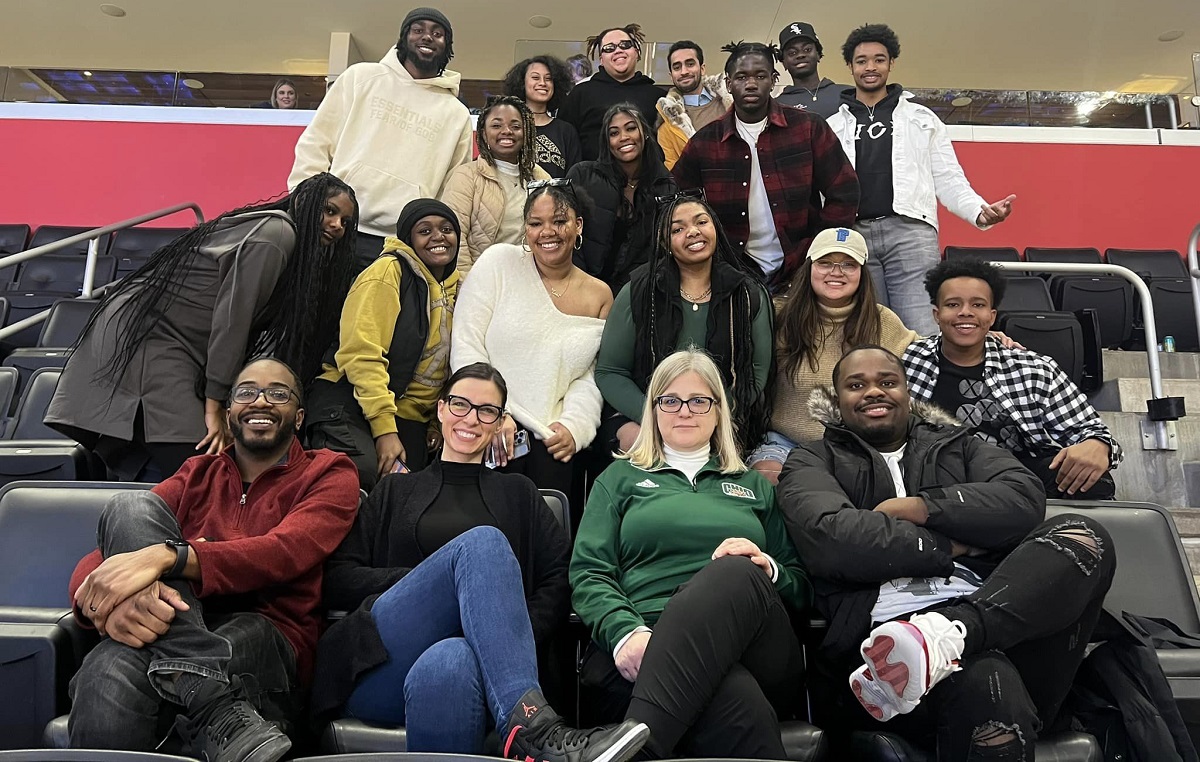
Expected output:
(50, 233)
(13, 238)
(987, 254)
(9, 381)
(1083, 256)
(1174, 312)
(1112, 298)
(61, 329)
(1025, 293)
(1149, 263)
(45, 528)
(66, 321)
(61, 274)
(26, 305)
(1057, 335)
(90, 755)
(133, 246)
(35, 399)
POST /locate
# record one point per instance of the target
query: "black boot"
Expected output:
(221, 727)
(535, 733)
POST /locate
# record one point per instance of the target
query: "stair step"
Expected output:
(1119, 363)
(1130, 394)
(1191, 548)
(1187, 521)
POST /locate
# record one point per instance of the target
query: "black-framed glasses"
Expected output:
(461, 406)
(669, 403)
(553, 182)
(848, 267)
(688, 194)
(248, 395)
(623, 45)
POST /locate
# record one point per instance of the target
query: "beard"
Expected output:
(263, 443)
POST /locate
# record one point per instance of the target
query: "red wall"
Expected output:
(97, 172)
(1106, 196)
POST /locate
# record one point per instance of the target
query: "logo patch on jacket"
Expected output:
(737, 490)
(645, 483)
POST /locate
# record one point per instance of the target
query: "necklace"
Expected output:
(555, 292)
(696, 299)
(813, 93)
(871, 111)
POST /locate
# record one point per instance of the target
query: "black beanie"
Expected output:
(419, 208)
(428, 14)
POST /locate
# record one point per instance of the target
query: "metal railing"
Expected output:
(1162, 430)
(1194, 272)
(89, 269)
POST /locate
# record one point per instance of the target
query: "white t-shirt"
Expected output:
(763, 242)
(905, 595)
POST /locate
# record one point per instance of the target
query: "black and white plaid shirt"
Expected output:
(1045, 405)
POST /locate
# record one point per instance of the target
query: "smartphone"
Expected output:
(520, 448)
(399, 468)
(520, 444)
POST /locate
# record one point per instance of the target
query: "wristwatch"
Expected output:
(181, 557)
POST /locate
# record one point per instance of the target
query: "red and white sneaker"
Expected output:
(905, 661)
(871, 695)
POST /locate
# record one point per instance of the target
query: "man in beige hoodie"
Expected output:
(393, 130)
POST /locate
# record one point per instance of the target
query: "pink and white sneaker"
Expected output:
(904, 661)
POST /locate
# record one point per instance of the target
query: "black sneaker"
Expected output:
(536, 733)
(231, 730)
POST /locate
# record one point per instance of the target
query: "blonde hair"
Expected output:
(647, 449)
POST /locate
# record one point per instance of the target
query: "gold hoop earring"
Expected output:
(526, 248)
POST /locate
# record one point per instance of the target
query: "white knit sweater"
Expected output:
(505, 317)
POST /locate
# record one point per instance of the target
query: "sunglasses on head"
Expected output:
(690, 194)
(623, 45)
(554, 182)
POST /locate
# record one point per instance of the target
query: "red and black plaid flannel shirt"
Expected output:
(801, 162)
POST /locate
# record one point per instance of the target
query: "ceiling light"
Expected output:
(962, 100)
(87, 74)
(116, 11)
(1170, 35)
(540, 22)
(1196, 100)
(193, 84)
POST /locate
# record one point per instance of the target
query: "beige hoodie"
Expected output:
(390, 137)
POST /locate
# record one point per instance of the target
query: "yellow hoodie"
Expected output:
(368, 324)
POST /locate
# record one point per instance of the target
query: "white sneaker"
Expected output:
(879, 703)
(906, 659)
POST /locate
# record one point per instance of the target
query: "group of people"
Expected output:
(453, 336)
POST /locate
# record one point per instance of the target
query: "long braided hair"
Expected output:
(301, 316)
(654, 300)
(528, 156)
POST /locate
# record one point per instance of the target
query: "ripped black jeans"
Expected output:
(1027, 628)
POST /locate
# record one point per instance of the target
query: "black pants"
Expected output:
(722, 660)
(1027, 630)
(367, 249)
(1104, 488)
(336, 422)
(547, 473)
(123, 696)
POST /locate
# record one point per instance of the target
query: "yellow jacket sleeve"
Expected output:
(368, 323)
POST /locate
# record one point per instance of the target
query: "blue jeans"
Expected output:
(902, 251)
(459, 643)
(776, 447)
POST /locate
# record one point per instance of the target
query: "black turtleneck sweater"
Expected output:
(457, 508)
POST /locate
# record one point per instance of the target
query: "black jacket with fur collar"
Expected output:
(977, 494)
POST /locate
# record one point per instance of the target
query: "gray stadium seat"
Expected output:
(984, 253)
(1082, 256)
(50, 233)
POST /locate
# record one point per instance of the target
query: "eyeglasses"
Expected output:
(554, 182)
(848, 267)
(669, 403)
(276, 395)
(693, 194)
(623, 45)
(461, 406)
